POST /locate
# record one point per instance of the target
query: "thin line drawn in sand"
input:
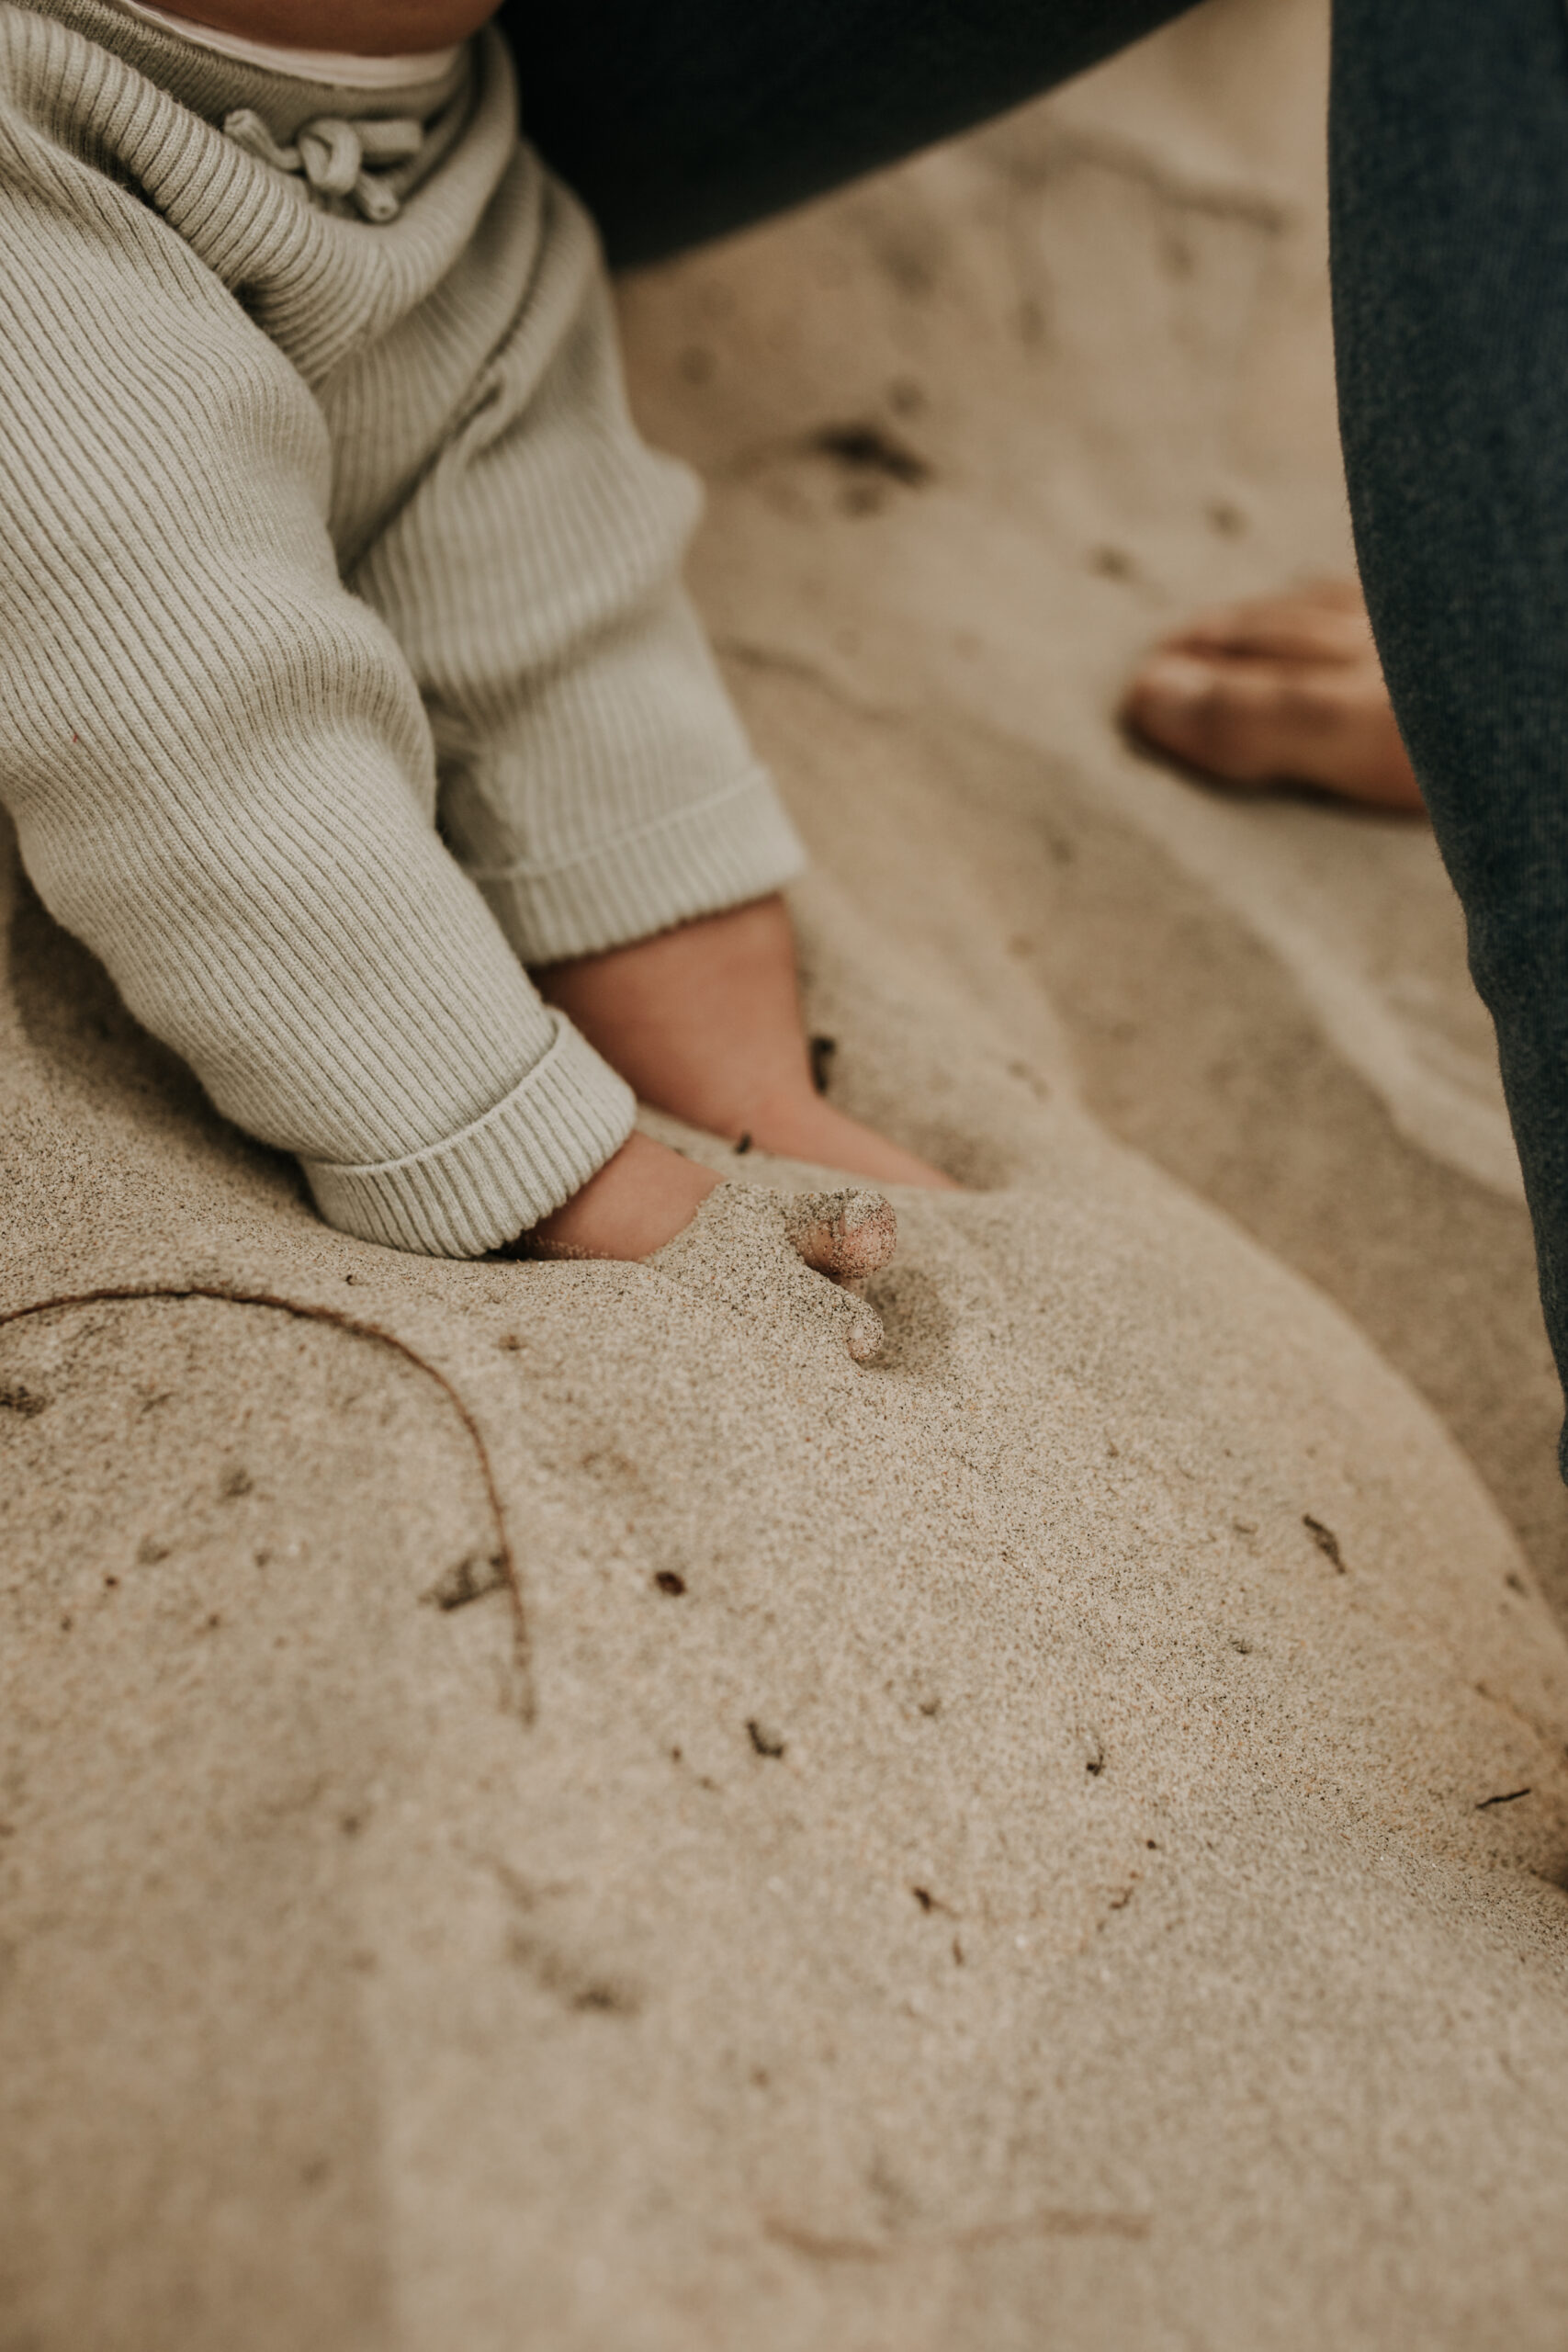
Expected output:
(1053, 2222)
(502, 1561)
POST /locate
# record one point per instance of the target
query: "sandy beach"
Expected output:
(544, 1808)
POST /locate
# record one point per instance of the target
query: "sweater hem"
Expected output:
(495, 1177)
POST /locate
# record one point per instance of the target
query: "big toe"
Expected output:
(1205, 710)
(846, 1235)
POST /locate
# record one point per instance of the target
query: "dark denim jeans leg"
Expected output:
(1449, 197)
(676, 120)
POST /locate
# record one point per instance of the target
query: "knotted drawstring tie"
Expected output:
(331, 155)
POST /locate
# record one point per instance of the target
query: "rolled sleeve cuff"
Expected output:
(737, 845)
(495, 1177)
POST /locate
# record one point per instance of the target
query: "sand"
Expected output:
(546, 1808)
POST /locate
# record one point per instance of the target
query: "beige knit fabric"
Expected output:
(320, 507)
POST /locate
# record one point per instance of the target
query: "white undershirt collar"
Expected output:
(321, 65)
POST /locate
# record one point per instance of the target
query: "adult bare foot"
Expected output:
(1279, 690)
(704, 1023)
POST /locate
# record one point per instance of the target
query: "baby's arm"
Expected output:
(595, 779)
(217, 761)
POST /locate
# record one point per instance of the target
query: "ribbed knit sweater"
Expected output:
(322, 516)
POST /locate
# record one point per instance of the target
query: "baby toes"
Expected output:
(847, 1234)
(741, 1249)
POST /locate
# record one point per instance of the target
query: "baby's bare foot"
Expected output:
(800, 1126)
(745, 1247)
(638, 1201)
(704, 1023)
(1280, 690)
(647, 1196)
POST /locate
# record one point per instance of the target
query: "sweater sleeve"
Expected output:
(217, 758)
(595, 779)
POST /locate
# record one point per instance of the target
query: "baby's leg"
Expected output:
(704, 1023)
(1280, 690)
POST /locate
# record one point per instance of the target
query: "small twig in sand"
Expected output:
(502, 1560)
